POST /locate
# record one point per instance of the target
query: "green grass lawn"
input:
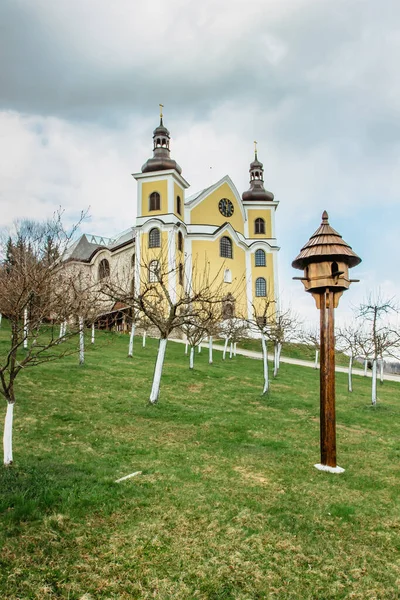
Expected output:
(228, 505)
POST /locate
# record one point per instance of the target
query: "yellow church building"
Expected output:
(231, 237)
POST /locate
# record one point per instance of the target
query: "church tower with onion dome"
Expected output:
(260, 205)
(217, 231)
(160, 211)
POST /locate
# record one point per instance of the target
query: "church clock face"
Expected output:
(225, 207)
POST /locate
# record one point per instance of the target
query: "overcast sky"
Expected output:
(315, 82)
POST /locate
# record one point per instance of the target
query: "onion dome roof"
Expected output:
(161, 159)
(257, 191)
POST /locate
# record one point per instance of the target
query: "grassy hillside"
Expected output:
(228, 505)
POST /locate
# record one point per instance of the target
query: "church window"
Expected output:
(181, 274)
(133, 260)
(154, 238)
(178, 205)
(154, 201)
(226, 247)
(259, 226)
(227, 276)
(260, 258)
(154, 271)
(261, 287)
(104, 269)
(180, 241)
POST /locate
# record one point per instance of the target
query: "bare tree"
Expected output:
(383, 338)
(195, 329)
(311, 338)
(145, 325)
(166, 305)
(36, 295)
(212, 326)
(280, 330)
(263, 314)
(234, 330)
(349, 339)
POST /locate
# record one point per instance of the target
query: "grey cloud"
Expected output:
(49, 69)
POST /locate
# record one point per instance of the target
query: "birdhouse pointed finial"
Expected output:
(325, 217)
(255, 149)
(161, 113)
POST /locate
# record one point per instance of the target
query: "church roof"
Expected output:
(87, 245)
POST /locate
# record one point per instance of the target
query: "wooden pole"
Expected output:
(327, 380)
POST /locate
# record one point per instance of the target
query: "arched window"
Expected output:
(334, 269)
(227, 276)
(259, 226)
(261, 287)
(228, 307)
(104, 269)
(225, 247)
(260, 258)
(178, 205)
(154, 238)
(133, 259)
(180, 241)
(154, 271)
(181, 274)
(154, 201)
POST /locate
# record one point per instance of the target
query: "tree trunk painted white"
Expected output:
(265, 363)
(26, 328)
(234, 348)
(155, 390)
(350, 373)
(81, 342)
(275, 360)
(1, 317)
(381, 370)
(191, 357)
(279, 354)
(92, 333)
(225, 348)
(186, 347)
(144, 339)
(374, 382)
(210, 350)
(365, 367)
(63, 330)
(316, 359)
(131, 336)
(231, 350)
(199, 347)
(7, 436)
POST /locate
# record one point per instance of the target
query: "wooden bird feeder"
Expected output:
(326, 259)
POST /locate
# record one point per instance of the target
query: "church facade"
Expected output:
(218, 232)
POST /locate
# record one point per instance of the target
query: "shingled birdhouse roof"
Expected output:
(324, 245)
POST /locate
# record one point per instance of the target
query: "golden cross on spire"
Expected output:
(255, 147)
(161, 107)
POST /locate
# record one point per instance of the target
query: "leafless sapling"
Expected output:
(36, 295)
(384, 338)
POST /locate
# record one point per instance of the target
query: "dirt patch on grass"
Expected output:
(250, 476)
(195, 388)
